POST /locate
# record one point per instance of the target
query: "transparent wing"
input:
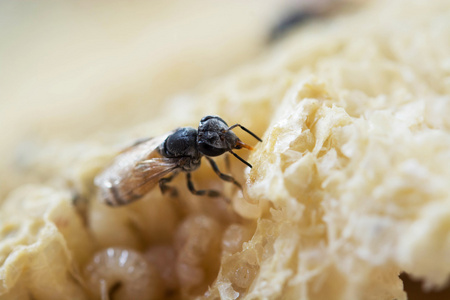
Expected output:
(141, 180)
(134, 172)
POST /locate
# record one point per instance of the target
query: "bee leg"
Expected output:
(227, 162)
(221, 175)
(164, 187)
(209, 193)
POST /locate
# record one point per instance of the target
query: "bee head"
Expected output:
(215, 137)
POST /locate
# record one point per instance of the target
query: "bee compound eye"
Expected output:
(206, 118)
(212, 119)
(210, 150)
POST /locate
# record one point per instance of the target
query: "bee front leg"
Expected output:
(222, 175)
(209, 193)
(164, 187)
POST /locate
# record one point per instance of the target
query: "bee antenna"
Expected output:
(245, 129)
(241, 159)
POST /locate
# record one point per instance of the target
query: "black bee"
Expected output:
(140, 167)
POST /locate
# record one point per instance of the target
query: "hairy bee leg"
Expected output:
(164, 187)
(222, 175)
(209, 193)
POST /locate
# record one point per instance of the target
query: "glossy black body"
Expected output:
(211, 139)
(214, 138)
(182, 144)
(158, 160)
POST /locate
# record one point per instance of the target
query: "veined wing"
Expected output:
(134, 172)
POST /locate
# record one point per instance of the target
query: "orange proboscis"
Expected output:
(241, 144)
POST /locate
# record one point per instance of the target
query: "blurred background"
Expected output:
(72, 68)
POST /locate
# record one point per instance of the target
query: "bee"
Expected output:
(139, 168)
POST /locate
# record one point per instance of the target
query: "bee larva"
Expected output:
(163, 257)
(197, 242)
(120, 273)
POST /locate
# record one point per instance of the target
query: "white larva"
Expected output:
(163, 258)
(197, 242)
(122, 274)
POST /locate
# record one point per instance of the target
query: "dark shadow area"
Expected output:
(414, 290)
